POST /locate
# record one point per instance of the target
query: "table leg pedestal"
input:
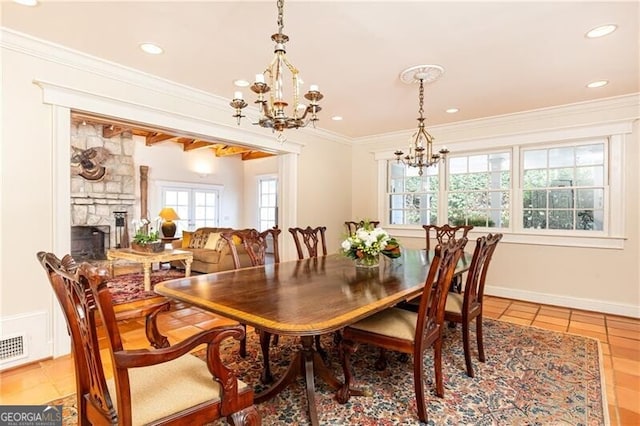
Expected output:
(146, 266)
(309, 361)
(345, 391)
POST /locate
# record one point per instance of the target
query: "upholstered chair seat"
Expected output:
(395, 322)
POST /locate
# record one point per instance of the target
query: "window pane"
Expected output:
(590, 176)
(560, 157)
(412, 198)
(478, 163)
(535, 178)
(590, 198)
(457, 165)
(562, 198)
(561, 177)
(560, 219)
(535, 159)
(534, 199)
(590, 154)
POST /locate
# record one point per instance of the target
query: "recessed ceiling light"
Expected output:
(27, 2)
(601, 31)
(599, 83)
(337, 118)
(241, 83)
(452, 110)
(150, 48)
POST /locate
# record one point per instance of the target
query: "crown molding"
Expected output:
(625, 107)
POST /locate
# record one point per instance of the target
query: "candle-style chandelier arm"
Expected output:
(272, 108)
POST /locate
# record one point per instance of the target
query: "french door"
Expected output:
(196, 207)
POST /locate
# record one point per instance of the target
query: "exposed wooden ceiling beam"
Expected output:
(113, 127)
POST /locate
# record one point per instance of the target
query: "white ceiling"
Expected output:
(499, 57)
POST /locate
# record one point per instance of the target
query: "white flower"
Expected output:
(346, 245)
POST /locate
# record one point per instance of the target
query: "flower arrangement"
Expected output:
(144, 233)
(367, 242)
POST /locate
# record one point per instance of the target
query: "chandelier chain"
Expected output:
(280, 4)
(421, 97)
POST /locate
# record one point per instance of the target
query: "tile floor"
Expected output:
(43, 381)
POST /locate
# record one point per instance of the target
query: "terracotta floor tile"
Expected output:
(626, 353)
(552, 320)
(628, 320)
(626, 366)
(628, 417)
(624, 342)
(588, 333)
(490, 314)
(515, 320)
(554, 312)
(628, 381)
(628, 399)
(511, 312)
(591, 314)
(622, 332)
(549, 326)
(586, 326)
(524, 306)
(588, 319)
(613, 414)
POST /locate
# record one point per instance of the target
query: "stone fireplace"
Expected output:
(94, 203)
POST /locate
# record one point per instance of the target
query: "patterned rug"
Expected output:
(531, 377)
(129, 288)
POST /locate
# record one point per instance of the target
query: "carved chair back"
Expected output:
(312, 238)
(477, 274)
(354, 226)
(445, 232)
(255, 243)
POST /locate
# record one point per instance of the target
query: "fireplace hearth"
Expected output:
(90, 242)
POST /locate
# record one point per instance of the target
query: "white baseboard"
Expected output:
(625, 310)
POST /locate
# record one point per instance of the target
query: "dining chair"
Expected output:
(313, 239)
(256, 244)
(354, 226)
(406, 331)
(464, 308)
(444, 233)
(149, 386)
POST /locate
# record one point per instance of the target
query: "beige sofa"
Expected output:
(210, 252)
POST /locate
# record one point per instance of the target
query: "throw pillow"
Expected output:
(199, 239)
(212, 241)
(186, 238)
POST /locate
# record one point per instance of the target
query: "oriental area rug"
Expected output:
(531, 377)
(127, 288)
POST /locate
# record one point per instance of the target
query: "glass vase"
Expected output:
(368, 261)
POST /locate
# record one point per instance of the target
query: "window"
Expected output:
(479, 188)
(267, 202)
(564, 187)
(413, 199)
(197, 207)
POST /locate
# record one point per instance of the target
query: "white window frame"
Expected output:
(260, 179)
(612, 237)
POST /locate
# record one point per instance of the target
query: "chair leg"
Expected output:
(347, 347)
(243, 343)
(276, 339)
(437, 365)
(479, 338)
(381, 362)
(465, 345)
(418, 383)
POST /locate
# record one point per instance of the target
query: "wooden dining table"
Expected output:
(306, 298)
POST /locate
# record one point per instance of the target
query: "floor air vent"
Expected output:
(12, 348)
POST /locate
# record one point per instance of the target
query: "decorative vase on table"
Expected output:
(368, 261)
(366, 243)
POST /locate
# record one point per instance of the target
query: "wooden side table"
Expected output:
(149, 258)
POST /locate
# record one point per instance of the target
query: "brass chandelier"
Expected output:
(270, 88)
(421, 153)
